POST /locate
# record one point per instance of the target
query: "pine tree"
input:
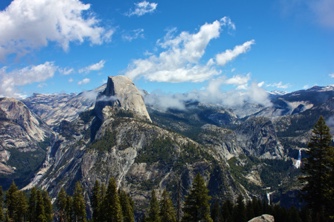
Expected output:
(127, 206)
(153, 213)
(216, 213)
(61, 205)
(2, 216)
(79, 207)
(227, 209)
(318, 168)
(112, 206)
(47, 205)
(96, 201)
(196, 207)
(40, 210)
(167, 210)
(32, 205)
(69, 209)
(21, 206)
(10, 201)
(239, 212)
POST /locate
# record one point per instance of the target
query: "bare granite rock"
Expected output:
(263, 218)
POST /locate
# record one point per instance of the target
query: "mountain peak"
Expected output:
(122, 92)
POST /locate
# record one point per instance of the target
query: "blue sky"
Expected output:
(53, 46)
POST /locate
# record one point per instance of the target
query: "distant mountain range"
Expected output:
(53, 141)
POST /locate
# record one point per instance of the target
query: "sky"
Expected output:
(216, 47)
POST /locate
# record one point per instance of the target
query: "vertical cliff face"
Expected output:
(121, 94)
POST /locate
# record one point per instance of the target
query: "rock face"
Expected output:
(121, 93)
(24, 141)
(263, 218)
(58, 107)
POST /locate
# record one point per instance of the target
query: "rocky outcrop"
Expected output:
(121, 94)
(55, 108)
(24, 140)
(263, 218)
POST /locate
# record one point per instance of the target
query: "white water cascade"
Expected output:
(299, 160)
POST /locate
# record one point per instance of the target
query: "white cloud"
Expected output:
(84, 81)
(279, 85)
(331, 75)
(66, 71)
(179, 59)
(142, 8)
(70, 80)
(29, 24)
(229, 55)
(134, 34)
(9, 81)
(94, 67)
(215, 92)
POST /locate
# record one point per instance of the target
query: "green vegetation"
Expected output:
(318, 178)
(105, 143)
(161, 150)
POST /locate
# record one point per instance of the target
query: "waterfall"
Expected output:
(299, 160)
(268, 198)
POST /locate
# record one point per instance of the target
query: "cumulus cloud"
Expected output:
(331, 75)
(30, 24)
(94, 67)
(9, 81)
(229, 55)
(142, 8)
(180, 57)
(84, 81)
(134, 34)
(222, 91)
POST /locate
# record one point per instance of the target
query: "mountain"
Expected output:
(109, 132)
(24, 142)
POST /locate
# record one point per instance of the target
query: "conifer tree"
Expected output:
(154, 212)
(167, 210)
(196, 207)
(47, 205)
(21, 206)
(239, 212)
(69, 209)
(79, 206)
(227, 209)
(40, 210)
(96, 201)
(216, 214)
(2, 216)
(318, 169)
(61, 205)
(112, 206)
(10, 200)
(32, 205)
(127, 206)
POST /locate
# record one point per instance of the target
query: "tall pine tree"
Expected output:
(10, 199)
(196, 207)
(112, 206)
(167, 210)
(127, 206)
(61, 205)
(153, 212)
(96, 201)
(79, 206)
(2, 216)
(317, 170)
